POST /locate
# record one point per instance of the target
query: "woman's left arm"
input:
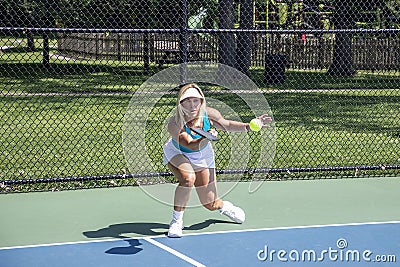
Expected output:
(221, 123)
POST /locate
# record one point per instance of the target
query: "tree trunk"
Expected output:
(226, 41)
(342, 63)
(244, 40)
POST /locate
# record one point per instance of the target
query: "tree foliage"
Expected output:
(163, 14)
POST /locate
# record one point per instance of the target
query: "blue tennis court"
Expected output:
(330, 245)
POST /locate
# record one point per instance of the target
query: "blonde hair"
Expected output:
(180, 119)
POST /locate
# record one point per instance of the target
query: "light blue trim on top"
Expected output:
(206, 127)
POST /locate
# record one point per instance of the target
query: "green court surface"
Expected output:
(82, 215)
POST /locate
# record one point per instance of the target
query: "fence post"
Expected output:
(97, 36)
(146, 55)
(30, 41)
(119, 56)
(46, 52)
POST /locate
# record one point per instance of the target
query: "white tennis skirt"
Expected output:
(205, 158)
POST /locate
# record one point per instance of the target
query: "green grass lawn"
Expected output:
(65, 131)
(59, 136)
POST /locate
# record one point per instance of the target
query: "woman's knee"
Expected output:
(184, 172)
(187, 180)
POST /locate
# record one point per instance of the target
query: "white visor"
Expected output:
(191, 92)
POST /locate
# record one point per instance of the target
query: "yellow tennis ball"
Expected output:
(256, 125)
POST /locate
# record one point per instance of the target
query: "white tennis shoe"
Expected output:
(236, 214)
(175, 228)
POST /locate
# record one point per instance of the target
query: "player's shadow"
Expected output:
(119, 231)
(127, 250)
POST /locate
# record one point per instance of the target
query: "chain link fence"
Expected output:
(328, 69)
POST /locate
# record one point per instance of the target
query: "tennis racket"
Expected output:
(205, 134)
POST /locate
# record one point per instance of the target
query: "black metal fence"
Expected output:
(309, 53)
(69, 71)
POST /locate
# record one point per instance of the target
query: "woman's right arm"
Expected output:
(183, 138)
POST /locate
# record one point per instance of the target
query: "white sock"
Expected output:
(177, 215)
(222, 208)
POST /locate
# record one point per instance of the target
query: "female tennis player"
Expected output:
(191, 159)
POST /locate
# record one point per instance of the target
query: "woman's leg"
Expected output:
(182, 169)
(206, 187)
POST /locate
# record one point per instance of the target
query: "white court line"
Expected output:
(173, 252)
(202, 233)
(292, 227)
(66, 243)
